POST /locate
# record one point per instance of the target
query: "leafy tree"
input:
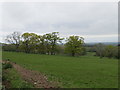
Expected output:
(42, 45)
(52, 40)
(30, 41)
(100, 50)
(116, 51)
(74, 45)
(110, 51)
(14, 39)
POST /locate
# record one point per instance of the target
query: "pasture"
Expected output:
(71, 72)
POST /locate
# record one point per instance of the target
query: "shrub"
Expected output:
(109, 51)
(4, 78)
(7, 65)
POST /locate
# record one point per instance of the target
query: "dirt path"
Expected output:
(36, 78)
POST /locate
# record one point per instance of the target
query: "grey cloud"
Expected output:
(67, 18)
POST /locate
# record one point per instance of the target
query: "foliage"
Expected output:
(41, 46)
(30, 41)
(9, 47)
(74, 44)
(106, 50)
(33, 43)
(51, 44)
(99, 48)
(52, 40)
(7, 65)
(14, 39)
(14, 79)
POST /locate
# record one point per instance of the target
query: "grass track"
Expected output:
(73, 72)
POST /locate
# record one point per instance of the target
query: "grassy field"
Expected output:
(72, 72)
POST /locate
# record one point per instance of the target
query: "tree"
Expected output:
(30, 40)
(116, 51)
(100, 49)
(42, 44)
(52, 40)
(14, 39)
(74, 45)
(110, 51)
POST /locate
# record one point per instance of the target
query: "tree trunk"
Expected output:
(73, 54)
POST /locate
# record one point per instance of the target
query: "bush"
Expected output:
(8, 47)
(4, 78)
(109, 51)
(7, 65)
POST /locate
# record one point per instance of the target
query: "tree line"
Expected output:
(109, 51)
(102, 50)
(50, 43)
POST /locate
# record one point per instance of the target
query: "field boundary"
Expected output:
(37, 79)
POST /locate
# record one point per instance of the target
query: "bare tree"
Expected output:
(14, 39)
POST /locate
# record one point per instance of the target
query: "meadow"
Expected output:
(71, 72)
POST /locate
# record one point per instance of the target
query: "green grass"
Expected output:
(15, 79)
(72, 72)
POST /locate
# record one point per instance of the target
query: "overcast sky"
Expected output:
(95, 21)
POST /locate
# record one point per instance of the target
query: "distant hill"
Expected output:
(106, 43)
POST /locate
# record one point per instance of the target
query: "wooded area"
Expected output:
(52, 44)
